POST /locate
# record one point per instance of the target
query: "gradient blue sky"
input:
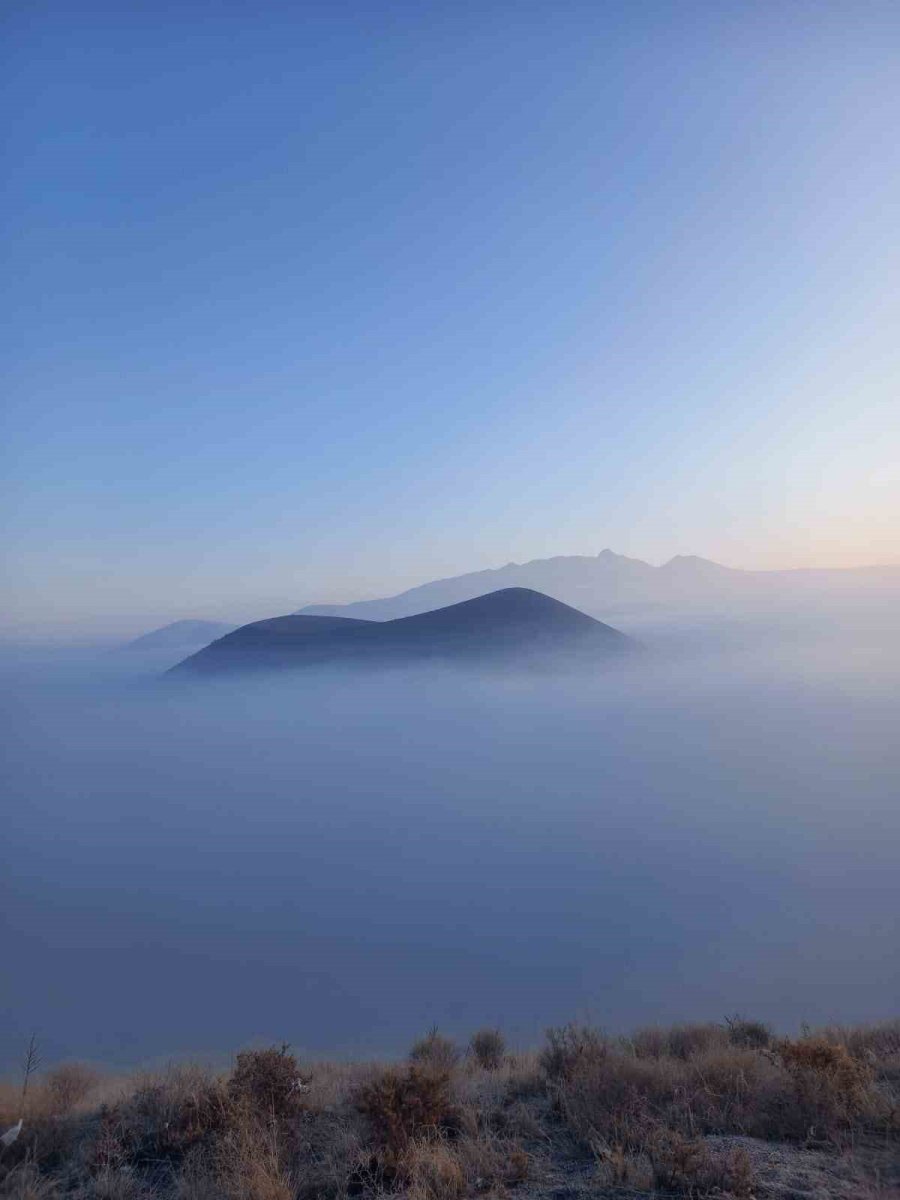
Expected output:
(313, 301)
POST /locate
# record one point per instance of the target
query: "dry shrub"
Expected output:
(166, 1118)
(436, 1050)
(431, 1170)
(67, 1086)
(609, 1101)
(749, 1035)
(403, 1104)
(570, 1049)
(522, 1077)
(678, 1041)
(687, 1167)
(488, 1048)
(878, 1046)
(169, 1117)
(879, 1042)
(731, 1090)
(614, 1099)
(269, 1082)
(434, 1169)
(491, 1103)
(833, 1090)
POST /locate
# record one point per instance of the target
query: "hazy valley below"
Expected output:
(711, 828)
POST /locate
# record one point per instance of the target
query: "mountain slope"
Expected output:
(513, 626)
(180, 635)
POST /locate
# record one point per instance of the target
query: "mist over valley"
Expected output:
(702, 827)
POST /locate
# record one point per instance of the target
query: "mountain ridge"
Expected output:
(610, 583)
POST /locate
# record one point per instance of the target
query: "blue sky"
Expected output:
(315, 301)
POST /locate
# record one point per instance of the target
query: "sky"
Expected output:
(316, 301)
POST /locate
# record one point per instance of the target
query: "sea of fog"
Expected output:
(341, 862)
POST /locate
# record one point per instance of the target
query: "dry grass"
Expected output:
(657, 1112)
(26, 1182)
(436, 1050)
(488, 1048)
(684, 1166)
(402, 1104)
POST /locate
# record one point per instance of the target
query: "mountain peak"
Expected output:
(686, 563)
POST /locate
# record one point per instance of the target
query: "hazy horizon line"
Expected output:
(117, 623)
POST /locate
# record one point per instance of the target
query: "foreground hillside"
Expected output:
(692, 1111)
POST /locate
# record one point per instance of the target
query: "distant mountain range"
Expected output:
(180, 635)
(612, 586)
(512, 626)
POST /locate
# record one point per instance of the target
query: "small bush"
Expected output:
(833, 1090)
(679, 1041)
(434, 1169)
(570, 1048)
(168, 1118)
(67, 1085)
(488, 1048)
(436, 1050)
(608, 1101)
(685, 1166)
(269, 1082)
(164, 1120)
(401, 1105)
(749, 1035)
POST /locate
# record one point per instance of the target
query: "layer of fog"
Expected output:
(342, 861)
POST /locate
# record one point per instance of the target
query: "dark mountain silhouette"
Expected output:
(512, 626)
(180, 635)
(612, 587)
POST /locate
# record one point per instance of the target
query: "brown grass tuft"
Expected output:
(436, 1050)
(488, 1048)
(687, 1167)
